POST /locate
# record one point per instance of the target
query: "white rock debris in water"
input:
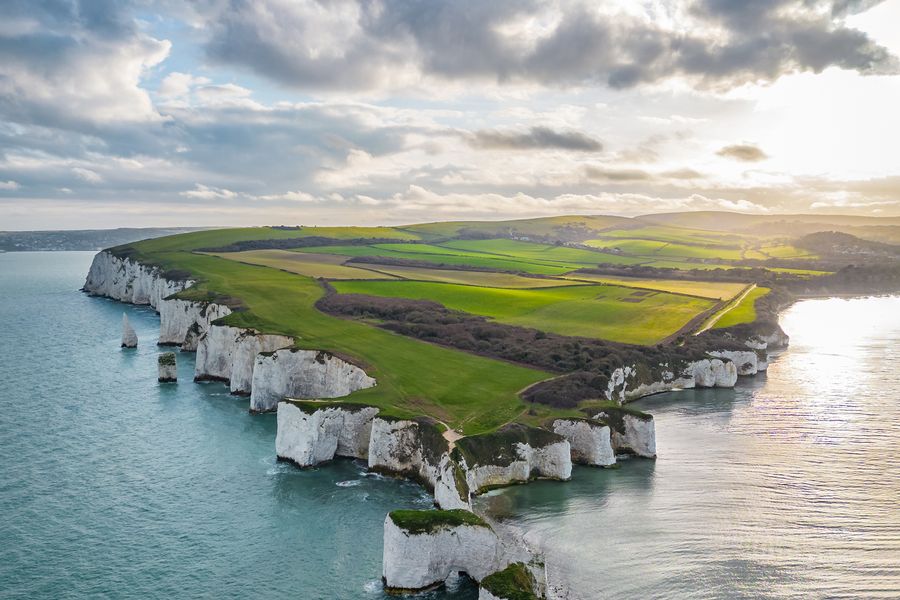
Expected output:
(129, 337)
(309, 374)
(168, 367)
(415, 561)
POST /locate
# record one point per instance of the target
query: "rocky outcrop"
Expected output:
(410, 448)
(514, 454)
(183, 321)
(423, 548)
(168, 367)
(309, 433)
(714, 372)
(451, 490)
(292, 373)
(589, 440)
(631, 431)
(745, 361)
(129, 337)
(129, 281)
(636, 381)
(229, 354)
(515, 582)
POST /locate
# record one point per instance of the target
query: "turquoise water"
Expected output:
(114, 486)
(785, 487)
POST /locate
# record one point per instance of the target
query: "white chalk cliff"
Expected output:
(229, 354)
(308, 436)
(633, 435)
(292, 373)
(523, 461)
(589, 440)
(129, 281)
(420, 560)
(179, 317)
(411, 448)
(129, 337)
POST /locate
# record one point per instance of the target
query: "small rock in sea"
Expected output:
(129, 337)
(168, 368)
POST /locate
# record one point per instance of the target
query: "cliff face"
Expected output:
(411, 448)
(589, 440)
(129, 281)
(416, 560)
(308, 436)
(291, 373)
(179, 317)
(514, 454)
(228, 353)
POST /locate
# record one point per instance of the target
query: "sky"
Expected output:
(378, 112)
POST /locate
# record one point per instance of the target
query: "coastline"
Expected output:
(144, 284)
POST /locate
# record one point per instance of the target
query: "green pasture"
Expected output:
(744, 311)
(601, 311)
(328, 266)
(705, 289)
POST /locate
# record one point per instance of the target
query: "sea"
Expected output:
(115, 486)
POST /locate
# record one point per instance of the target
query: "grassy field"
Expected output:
(717, 290)
(468, 392)
(680, 235)
(602, 311)
(545, 226)
(427, 254)
(312, 265)
(744, 312)
(654, 249)
(479, 278)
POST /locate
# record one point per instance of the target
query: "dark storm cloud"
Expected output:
(364, 45)
(743, 152)
(534, 138)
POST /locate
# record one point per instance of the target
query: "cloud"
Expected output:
(743, 153)
(534, 138)
(75, 65)
(357, 44)
(204, 192)
(616, 175)
(9, 185)
(87, 175)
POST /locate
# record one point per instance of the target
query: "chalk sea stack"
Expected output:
(168, 368)
(129, 337)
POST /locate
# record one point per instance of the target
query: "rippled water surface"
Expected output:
(114, 486)
(786, 487)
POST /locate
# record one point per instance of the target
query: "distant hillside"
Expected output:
(835, 243)
(81, 239)
(881, 229)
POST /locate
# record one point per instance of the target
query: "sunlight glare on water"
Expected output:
(786, 487)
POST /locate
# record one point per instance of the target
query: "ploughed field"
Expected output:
(540, 274)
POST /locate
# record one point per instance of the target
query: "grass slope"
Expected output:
(602, 311)
(312, 265)
(716, 290)
(468, 392)
(744, 311)
(479, 278)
